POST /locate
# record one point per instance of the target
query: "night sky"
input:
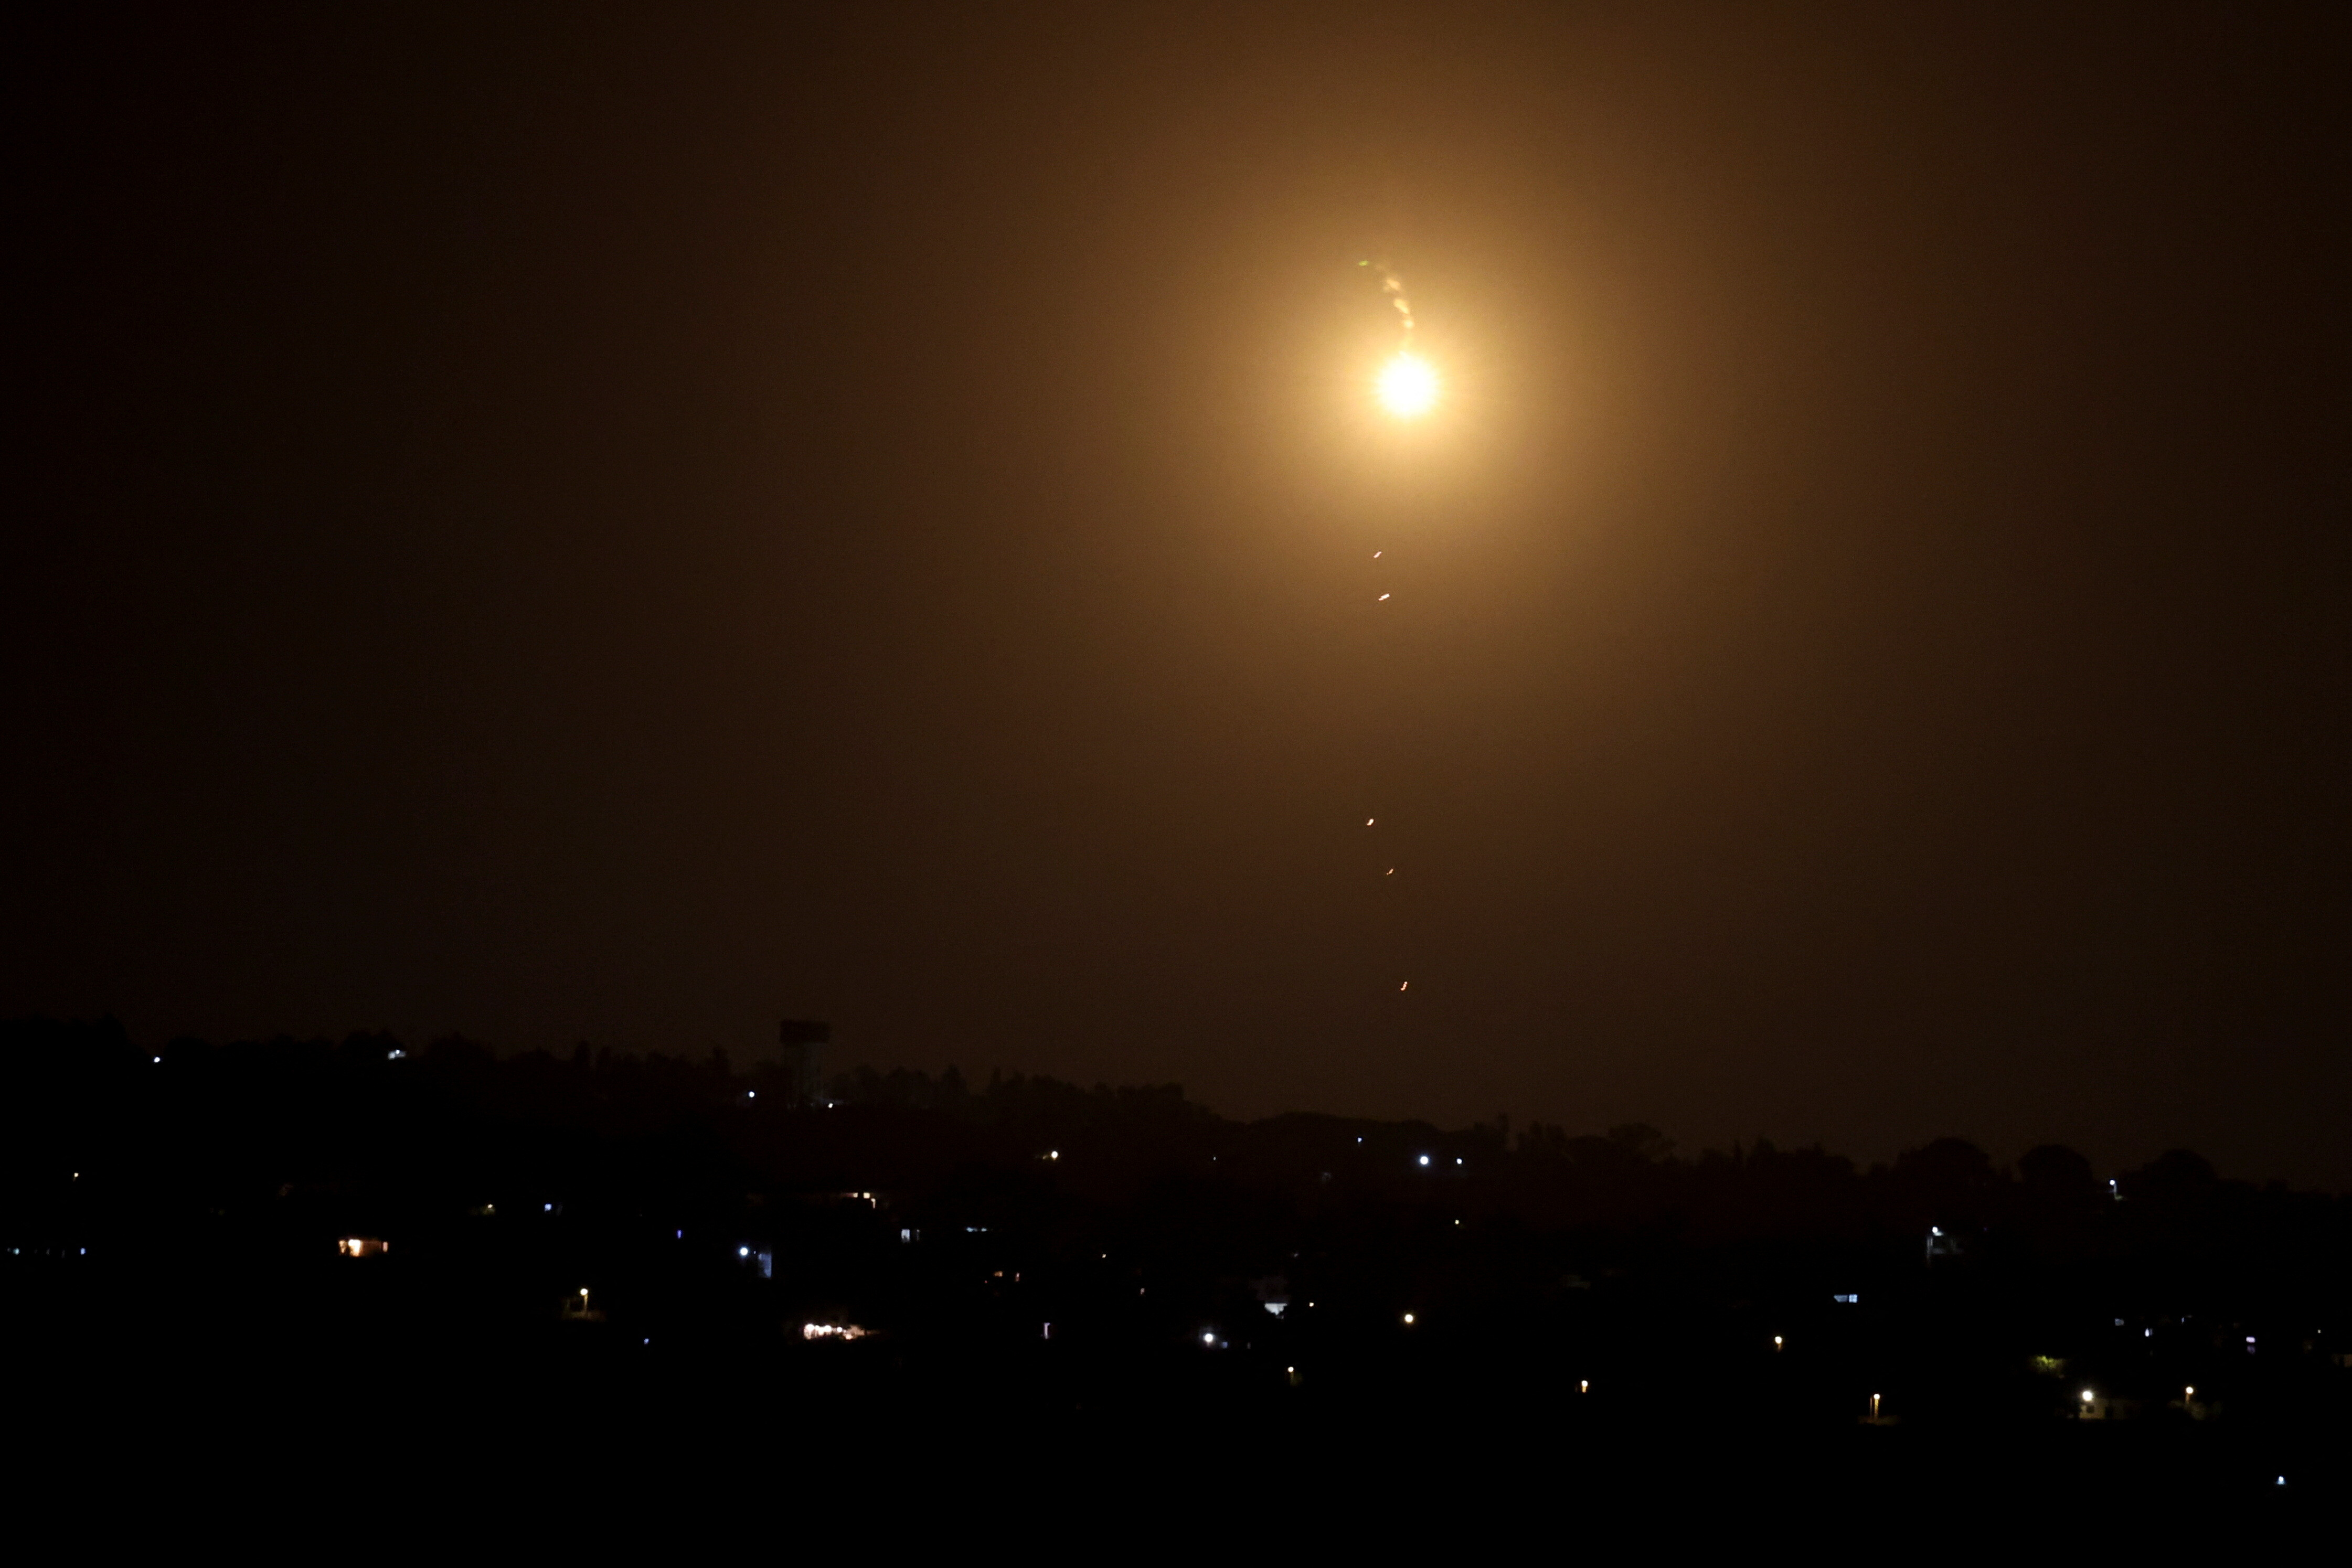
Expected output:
(628, 526)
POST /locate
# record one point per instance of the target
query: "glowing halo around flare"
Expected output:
(1408, 387)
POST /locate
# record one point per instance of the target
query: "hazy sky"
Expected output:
(633, 525)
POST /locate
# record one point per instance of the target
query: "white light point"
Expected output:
(1408, 387)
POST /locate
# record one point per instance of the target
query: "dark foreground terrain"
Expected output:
(382, 1268)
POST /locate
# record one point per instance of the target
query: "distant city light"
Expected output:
(742, 1251)
(1849, 1299)
(361, 1246)
(1584, 1385)
(1408, 1319)
(832, 1331)
(1424, 1159)
(1777, 1341)
(2086, 1396)
(1208, 1339)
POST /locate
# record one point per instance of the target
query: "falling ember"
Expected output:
(1402, 985)
(1383, 599)
(1368, 821)
(1376, 555)
(1390, 872)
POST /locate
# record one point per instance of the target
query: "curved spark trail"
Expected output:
(1406, 388)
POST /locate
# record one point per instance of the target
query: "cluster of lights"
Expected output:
(832, 1331)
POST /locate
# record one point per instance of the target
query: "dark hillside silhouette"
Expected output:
(906, 1241)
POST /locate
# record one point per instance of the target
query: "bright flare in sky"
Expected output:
(1407, 388)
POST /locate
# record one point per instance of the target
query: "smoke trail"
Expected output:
(1392, 289)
